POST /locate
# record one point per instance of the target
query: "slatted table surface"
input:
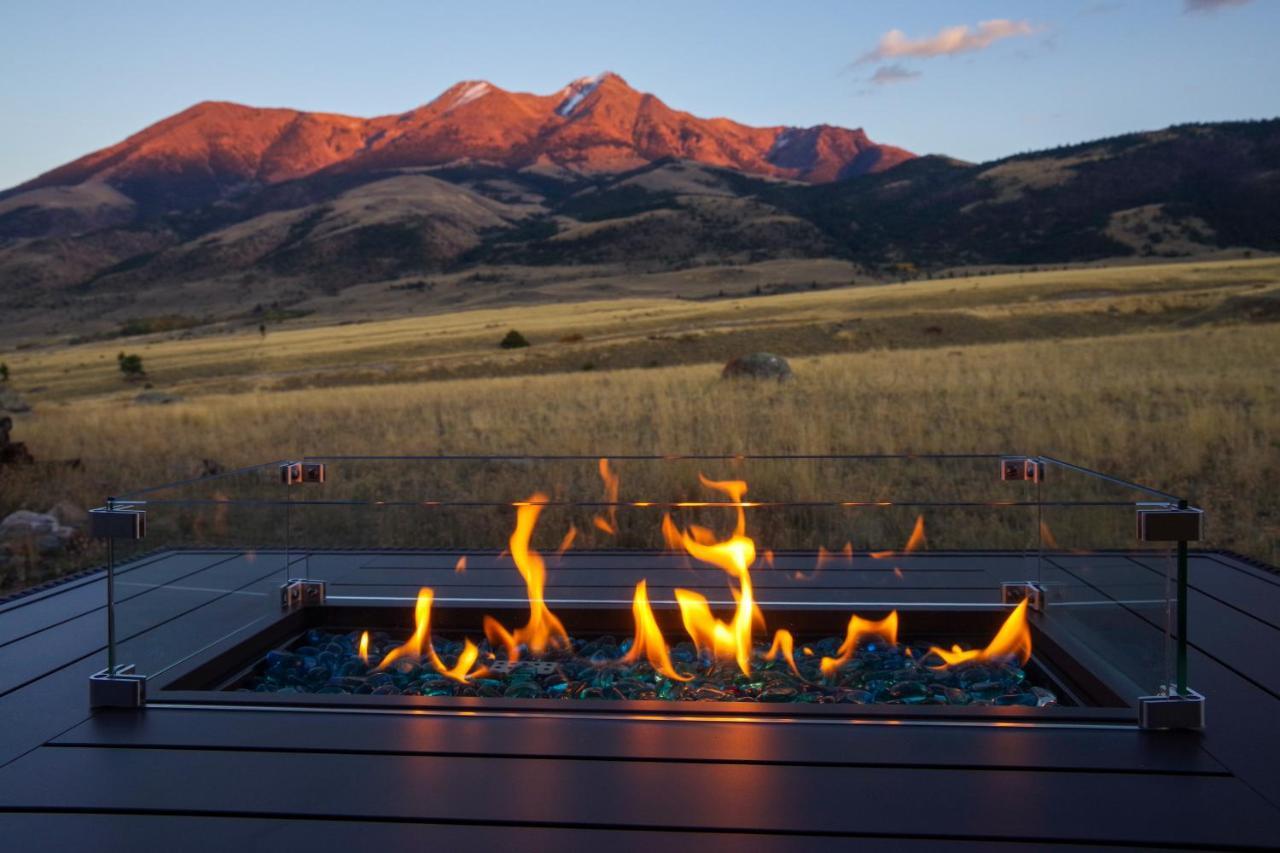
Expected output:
(245, 778)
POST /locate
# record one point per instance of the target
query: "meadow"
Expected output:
(1164, 374)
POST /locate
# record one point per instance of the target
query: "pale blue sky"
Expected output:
(77, 76)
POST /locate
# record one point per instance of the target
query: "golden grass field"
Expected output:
(1163, 374)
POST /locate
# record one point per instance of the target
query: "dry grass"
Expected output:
(1164, 396)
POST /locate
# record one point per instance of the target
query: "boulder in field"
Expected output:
(758, 365)
(25, 531)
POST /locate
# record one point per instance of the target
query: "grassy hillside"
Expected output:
(474, 234)
(1165, 374)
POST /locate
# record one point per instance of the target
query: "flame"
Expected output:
(543, 629)
(768, 558)
(567, 542)
(420, 643)
(783, 643)
(914, 542)
(735, 556)
(1013, 639)
(824, 557)
(611, 494)
(460, 566)
(364, 648)
(671, 534)
(859, 628)
(649, 641)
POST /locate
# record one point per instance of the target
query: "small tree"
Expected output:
(4, 372)
(130, 365)
(514, 340)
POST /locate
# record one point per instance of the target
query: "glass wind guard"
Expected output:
(821, 549)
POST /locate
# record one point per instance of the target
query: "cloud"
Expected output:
(887, 74)
(1210, 5)
(949, 40)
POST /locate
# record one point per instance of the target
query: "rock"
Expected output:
(10, 401)
(24, 530)
(68, 514)
(758, 365)
(156, 398)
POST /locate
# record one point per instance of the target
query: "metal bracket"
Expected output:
(1014, 592)
(120, 687)
(299, 592)
(1171, 711)
(293, 473)
(117, 523)
(1022, 468)
(1168, 523)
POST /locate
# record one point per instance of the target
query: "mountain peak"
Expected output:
(593, 124)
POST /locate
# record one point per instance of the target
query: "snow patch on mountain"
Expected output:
(577, 91)
(470, 93)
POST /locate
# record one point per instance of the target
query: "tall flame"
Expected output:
(735, 556)
(420, 643)
(1012, 640)
(543, 630)
(364, 648)
(859, 628)
(610, 479)
(648, 640)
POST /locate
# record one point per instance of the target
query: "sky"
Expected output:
(977, 80)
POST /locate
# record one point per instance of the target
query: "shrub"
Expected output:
(514, 340)
(130, 365)
(4, 372)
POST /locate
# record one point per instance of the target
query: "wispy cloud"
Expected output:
(887, 74)
(1210, 5)
(950, 40)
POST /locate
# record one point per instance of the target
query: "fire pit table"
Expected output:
(974, 589)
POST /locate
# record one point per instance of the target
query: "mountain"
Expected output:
(487, 197)
(216, 150)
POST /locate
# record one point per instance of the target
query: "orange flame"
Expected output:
(460, 566)
(611, 494)
(735, 556)
(824, 557)
(543, 629)
(671, 534)
(364, 648)
(784, 644)
(914, 542)
(420, 643)
(567, 542)
(649, 641)
(859, 628)
(1013, 639)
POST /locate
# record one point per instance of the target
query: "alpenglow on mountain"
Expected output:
(594, 124)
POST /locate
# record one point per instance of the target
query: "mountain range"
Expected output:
(224, 206)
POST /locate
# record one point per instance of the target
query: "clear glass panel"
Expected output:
(1109, 595)
(206, 570)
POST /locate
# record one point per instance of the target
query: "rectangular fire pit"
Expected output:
(974, 588)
